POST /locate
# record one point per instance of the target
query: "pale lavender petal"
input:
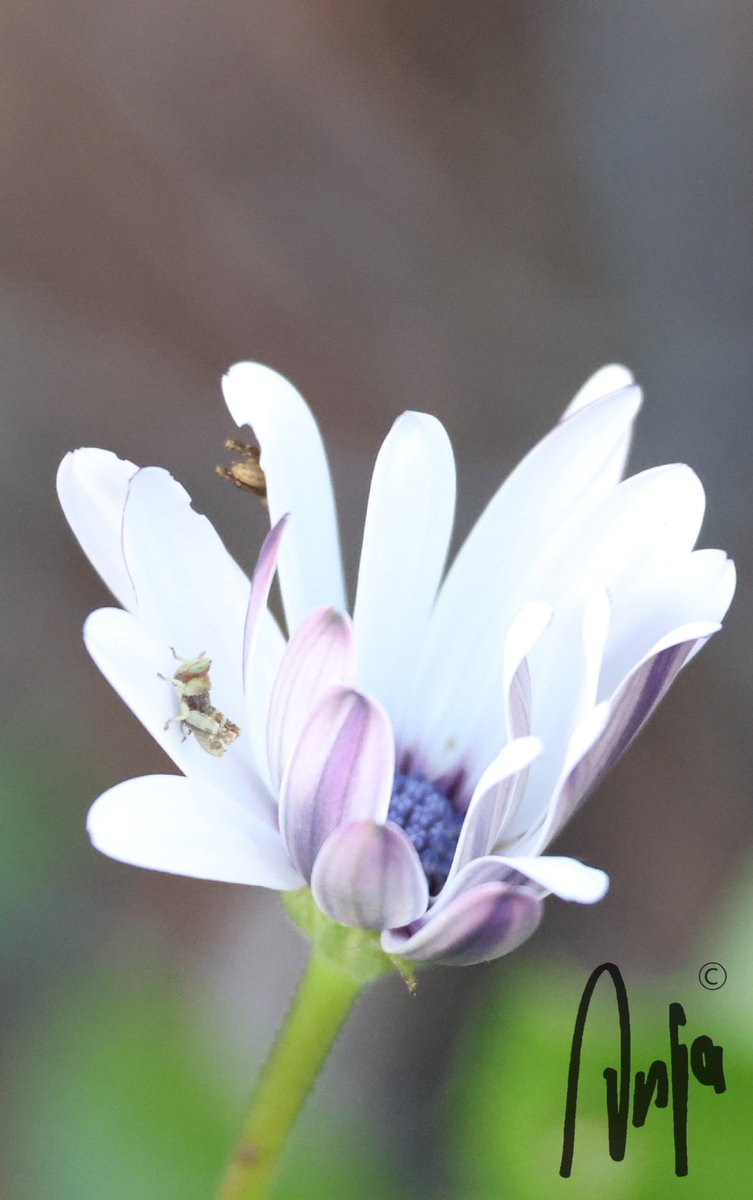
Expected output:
(493, 801)
(565, 877)
(370, 876)
(341, 770)
(478, 925)
(406, 535)
(92, 488)
(186, 827)
(298, 482)
(320, 655)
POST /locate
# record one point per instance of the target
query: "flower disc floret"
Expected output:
(430, 820)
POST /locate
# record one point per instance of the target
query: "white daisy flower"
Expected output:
(411, 764)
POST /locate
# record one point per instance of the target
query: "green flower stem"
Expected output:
(325, 996)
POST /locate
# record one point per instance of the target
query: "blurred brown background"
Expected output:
(462, 208)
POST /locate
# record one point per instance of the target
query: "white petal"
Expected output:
(298, 482)
(186, 827)
(406, 536)
(564, 877)
(92, 486)
(505, 714)
(675, 592)
(642, 522)
(562, 478)
(134, 662)
(647, 521)
(190, 592)
(612, 378)
(525, 631)
(648, 518)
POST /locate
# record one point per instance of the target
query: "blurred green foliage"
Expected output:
(113, 1101)
(114, 1097)
(39, 844)
(506, 1106)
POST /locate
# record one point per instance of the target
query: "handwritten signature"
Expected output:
(703, 1058)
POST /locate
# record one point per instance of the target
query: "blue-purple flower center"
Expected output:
(431, 822)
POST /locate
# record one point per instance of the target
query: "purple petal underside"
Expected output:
(370, 876)
(480, 924)
(261, 583)
(320, 655)
(341, 770)
(631, 706)
(493, 801)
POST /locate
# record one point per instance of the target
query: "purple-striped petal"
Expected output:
(565, 674)
(493, 801)
(261, 583)
(341, 770)
(478, 925)
(320, 655)
(261, 655)
(525, 632)
(681, 588)
(629, 709)
(370, 876)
